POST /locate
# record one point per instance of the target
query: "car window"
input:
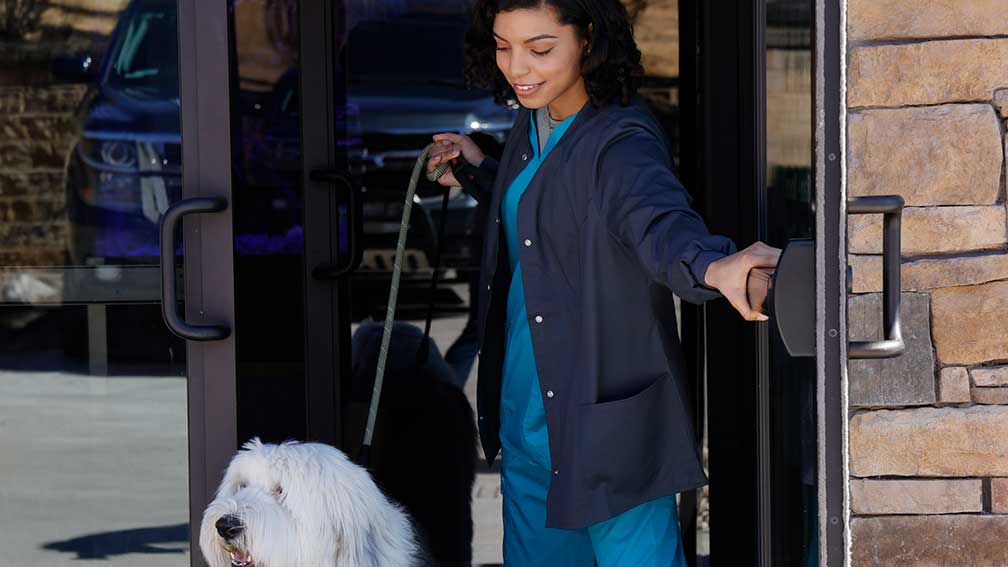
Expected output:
(410, 48)
(144, 60)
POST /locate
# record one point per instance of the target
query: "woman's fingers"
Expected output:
(441, 152)
(740, 302)
(759, 255)
(463, 145)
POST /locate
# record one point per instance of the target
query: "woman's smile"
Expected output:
(527, 89)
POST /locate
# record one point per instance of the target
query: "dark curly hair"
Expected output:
(611, 68)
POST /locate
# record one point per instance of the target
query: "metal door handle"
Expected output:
(355, 221)
(169, 221)
(891, 207)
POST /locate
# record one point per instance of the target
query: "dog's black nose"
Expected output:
(229, 527)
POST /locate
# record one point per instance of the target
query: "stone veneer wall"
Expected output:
(927, 107)
(36, 133)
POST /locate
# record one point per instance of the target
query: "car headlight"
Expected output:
(474, 123)
(118, 153)
(119, 156)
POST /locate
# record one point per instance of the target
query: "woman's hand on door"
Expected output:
(448, 146)
(730, 276)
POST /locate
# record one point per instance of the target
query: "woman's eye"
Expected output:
(540, 53)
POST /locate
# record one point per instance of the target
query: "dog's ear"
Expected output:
(252, 444)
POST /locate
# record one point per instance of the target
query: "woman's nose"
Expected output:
(518, 65)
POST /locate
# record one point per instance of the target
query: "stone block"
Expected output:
(867, 272)
(15, 156)
(922, 275)
(916, 19)
(990, 376)
(929, 541)
(929, 274)
(991, 396)
(32, 210)
(53, 99)
(31, 235)
(933, 230)
(35, 257)
(971, 323)
(999, 495)
(11, 100)
(945, 155)
(930, 442)
(930, 72)
(35, 183)
(954, 386)
(14, 128)
(944, 496)
(903, 381)
(33, 155)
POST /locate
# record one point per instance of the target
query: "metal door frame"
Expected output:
(209, 249)
(731, 121)
(831, 277)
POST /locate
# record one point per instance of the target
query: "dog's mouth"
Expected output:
(240, 558)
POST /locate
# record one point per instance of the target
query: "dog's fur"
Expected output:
(330, 512)
(306, 505)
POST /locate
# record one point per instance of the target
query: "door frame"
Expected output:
(322, 87)
(831, 280)
(729, 77)
(209, 250)
(730, 74)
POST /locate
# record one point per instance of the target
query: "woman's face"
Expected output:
(539, 56)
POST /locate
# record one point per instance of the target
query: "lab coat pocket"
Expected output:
(621, 443)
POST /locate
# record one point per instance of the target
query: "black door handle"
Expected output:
(341, 178)
(790, 297)
(169, 221)
(891, 207)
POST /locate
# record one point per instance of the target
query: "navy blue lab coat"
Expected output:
(606, 234)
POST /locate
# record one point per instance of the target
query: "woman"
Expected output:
(580, 374)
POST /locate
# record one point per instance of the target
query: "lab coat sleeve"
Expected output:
(644, 206)
(482, 178)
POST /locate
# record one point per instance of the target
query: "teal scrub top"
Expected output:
(523, 417)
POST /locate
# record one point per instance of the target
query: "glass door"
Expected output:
(756, 130)
(104, 449)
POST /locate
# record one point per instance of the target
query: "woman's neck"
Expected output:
(569, 102)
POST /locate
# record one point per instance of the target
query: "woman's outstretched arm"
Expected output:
(646, 208)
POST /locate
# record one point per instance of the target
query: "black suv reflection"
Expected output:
(126, 167)
(404, 84)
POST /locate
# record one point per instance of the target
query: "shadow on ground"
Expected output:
(103, 545)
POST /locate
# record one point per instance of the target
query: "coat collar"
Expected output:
(523, 120)
(512, 163)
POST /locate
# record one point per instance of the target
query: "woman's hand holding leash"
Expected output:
(449, 146)
(731, 273)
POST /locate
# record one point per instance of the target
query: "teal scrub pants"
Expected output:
(644, 536)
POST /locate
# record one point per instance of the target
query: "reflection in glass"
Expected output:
(789, 210)
(268, 208)
(402, 67)
(93, 440)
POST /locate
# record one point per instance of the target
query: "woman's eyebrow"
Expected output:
(529, 40)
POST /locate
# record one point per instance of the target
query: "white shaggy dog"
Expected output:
(303, 505)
